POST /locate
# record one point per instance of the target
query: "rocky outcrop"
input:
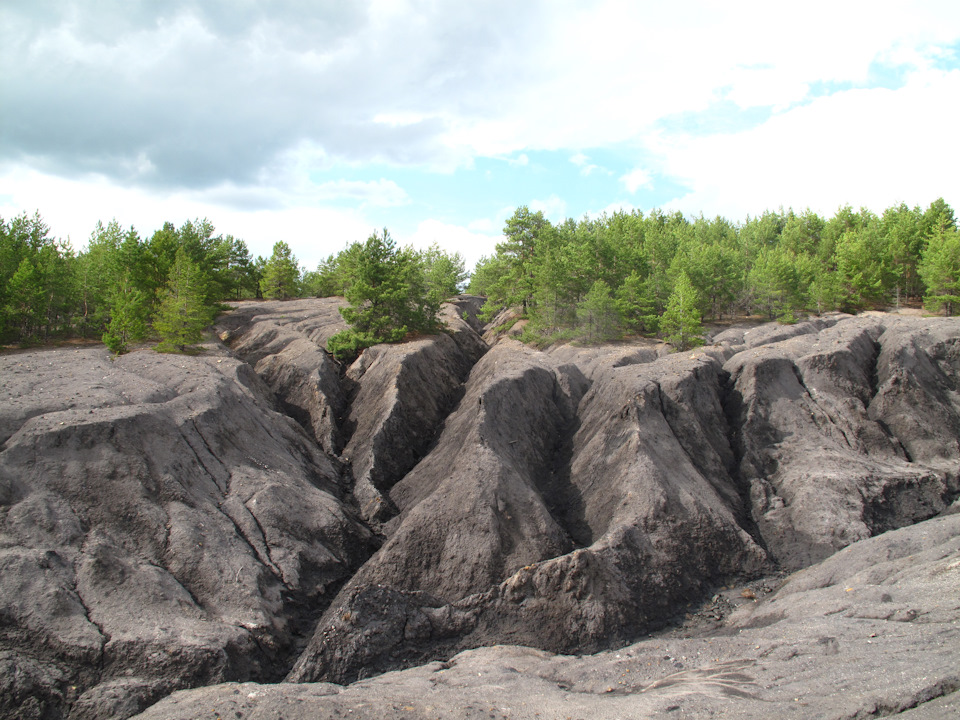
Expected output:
(553, 512)
(846, 432)
(380, 414)
(259, 508)
(161, 526)
(567, 511)
(471, 514)
(284, 343)
(872, 631)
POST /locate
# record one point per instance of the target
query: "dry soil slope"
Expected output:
(846, 431)
(161, 526)
(380, 414)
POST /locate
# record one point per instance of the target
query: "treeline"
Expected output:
(595, 279)
(662, 273)
(123, 288)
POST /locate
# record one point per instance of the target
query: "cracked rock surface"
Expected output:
(872, 631)
(161, 526)
(259, 512)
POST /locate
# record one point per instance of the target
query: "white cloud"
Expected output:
(312, 232)
(470, 244)
(766, 87)
(229, 110)
(397, 119)
(636, 179)
(382, 192)
(863, 147)
(586, 167)
(637, 64)
(553, 208)
(482, 225)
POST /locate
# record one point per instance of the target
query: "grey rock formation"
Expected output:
(168, 521)
(284, 341)
(161, 526)
(552, 512)
(847, 432)
(567, 510)
(382, 413)
(872, 631)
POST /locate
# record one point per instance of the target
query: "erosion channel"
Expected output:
(598, 530)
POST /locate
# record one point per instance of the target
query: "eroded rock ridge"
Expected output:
(258, 511)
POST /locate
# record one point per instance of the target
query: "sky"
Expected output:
(316, 122)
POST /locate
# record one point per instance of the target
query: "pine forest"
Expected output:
(630, 273)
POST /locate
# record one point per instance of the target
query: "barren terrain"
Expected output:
(453, 527)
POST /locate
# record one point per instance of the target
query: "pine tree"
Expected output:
(24, 309)
(515, 285)
(443, 273)
(680, 323)
(940, 270)
(597, 314)
(823, 287)
(388, 296)
(774, 284)
(636, 305)
(281, 276)
(128, 318)
(182, 315)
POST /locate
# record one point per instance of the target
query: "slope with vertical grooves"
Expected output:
(569, 500)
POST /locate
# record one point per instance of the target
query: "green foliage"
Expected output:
(444, 274)
(680, 324)
(636, 305)
(24, 309)
(233, 268)
(348, 344)
(182, 315)
(781, 263)
(37, 281)
(940, 269)
(824, 291)
(129, 311)
(514, 283)
(902, 231)
(281, 275)
(775, 284)
(861, 263)
(388, 294)
(486, 272)
(332, 276)
(97, 274)
(598, 317)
